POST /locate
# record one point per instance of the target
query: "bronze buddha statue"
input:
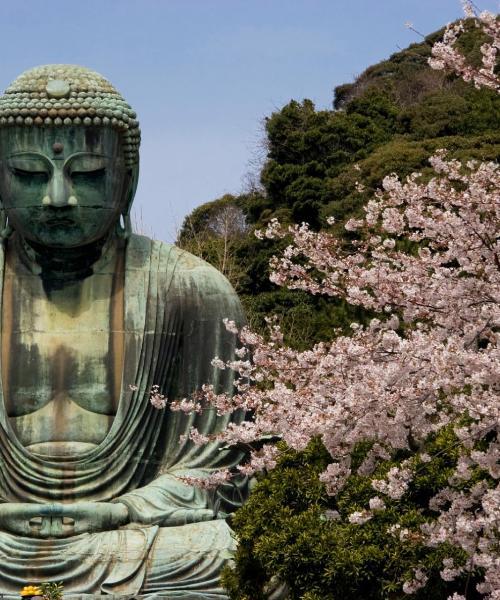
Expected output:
(92, 316)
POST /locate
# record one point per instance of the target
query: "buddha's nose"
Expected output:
(59, 192)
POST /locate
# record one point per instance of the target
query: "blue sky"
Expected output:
(202, 74)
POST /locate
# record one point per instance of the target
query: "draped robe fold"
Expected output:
(174, 305)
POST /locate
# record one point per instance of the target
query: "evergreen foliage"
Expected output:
(289, 530)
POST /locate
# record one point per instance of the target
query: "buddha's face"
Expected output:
(62, 187)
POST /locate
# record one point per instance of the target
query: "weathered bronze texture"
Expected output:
(92, 316)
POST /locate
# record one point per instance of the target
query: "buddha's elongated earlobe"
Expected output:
(5, 229)
(124, 226)
(124, 223)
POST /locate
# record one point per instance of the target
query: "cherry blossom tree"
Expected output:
(426, 261)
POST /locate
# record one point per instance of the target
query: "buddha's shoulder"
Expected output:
(175, 264)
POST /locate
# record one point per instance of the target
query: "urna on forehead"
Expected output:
(70, 95)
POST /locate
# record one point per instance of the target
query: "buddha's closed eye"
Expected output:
(98, 171)
(88, 179)
(29, 176)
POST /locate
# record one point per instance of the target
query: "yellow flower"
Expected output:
(31, 590)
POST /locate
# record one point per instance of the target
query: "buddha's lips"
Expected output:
(59, 221)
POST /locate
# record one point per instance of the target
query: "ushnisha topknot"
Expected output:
(58, 95)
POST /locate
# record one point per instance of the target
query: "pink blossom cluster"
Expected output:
(446, 55)
(210, 482)
(419, 580)
(157, 399)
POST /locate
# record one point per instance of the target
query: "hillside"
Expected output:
(391, 119)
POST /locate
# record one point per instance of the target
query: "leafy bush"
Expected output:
(291, 530)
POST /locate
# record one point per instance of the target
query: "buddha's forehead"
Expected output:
(60, 142)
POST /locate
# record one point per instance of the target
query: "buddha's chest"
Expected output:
(54, 354)
(61, 359)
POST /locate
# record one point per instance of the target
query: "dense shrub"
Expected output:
(291, 531)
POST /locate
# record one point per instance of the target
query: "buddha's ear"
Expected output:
(125, 228)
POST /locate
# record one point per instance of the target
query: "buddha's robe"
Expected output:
(174, 305)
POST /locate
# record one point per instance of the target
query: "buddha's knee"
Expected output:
(189, 559)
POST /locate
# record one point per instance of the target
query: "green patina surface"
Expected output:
(92, 317)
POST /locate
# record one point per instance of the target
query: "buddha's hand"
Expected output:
(61, 520)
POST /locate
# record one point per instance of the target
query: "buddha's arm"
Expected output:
(167, 500)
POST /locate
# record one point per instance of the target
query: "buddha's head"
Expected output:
(69, 157)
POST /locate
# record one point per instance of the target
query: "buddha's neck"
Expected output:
(61, 266)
